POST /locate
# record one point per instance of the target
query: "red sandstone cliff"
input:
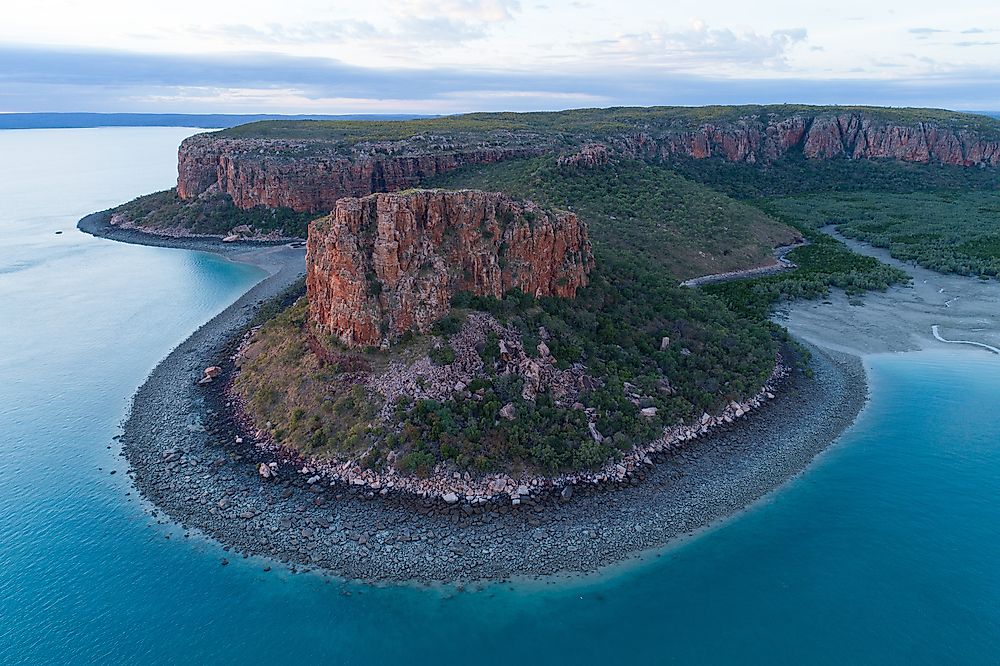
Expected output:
(847, 135)
(311, 175)
(384, 264)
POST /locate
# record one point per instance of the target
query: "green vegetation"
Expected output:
(824, 263)
(213, 214)
(950, 232)
(643, 210)
(795, 175)
(615, 326)
(583, 124)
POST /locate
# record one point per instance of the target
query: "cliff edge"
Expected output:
(385, 264)
(307, 166)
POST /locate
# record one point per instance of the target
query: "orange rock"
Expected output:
(311, 175)
(384, 264)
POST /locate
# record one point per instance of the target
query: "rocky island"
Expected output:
(491, 367)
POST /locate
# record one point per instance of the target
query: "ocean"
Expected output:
(887, 550)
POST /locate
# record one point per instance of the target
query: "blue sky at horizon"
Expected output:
(447, 56)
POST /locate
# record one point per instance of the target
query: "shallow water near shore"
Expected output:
(884, 551)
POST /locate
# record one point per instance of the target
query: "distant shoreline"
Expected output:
(71, 120)
(99, 224)
(178, 439)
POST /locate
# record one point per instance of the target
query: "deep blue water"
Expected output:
(886, 551)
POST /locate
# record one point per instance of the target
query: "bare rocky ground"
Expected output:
(185, 459)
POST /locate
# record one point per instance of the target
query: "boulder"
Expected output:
(507, 411)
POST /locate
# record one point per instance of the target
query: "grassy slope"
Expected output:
(648, 211)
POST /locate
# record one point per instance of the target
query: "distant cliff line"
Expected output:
(307, 166)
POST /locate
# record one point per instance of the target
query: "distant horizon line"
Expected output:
(95, 119)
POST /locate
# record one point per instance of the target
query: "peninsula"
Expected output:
(492, 367)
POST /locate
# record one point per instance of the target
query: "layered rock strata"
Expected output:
(385, 264)
(311, 175)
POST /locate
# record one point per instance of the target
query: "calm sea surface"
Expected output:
(886, 551)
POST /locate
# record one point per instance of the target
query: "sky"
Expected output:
(450, 56)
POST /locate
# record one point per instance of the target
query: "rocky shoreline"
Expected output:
(99, 224)
(179, 440)
(447, 484)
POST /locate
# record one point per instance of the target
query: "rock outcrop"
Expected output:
(856, 135)
(385, 264)
(312, 174)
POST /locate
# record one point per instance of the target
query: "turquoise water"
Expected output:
(885, 552)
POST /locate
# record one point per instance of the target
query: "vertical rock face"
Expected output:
(384, 264)
(311, 175)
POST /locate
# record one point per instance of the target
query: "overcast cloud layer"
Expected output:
(443, 56)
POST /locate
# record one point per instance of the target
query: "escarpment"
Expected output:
(384, 264)
(310, 176)
(308, 167)
(847, 135)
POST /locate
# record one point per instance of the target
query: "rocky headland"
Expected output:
(325, 464)
(195, 463)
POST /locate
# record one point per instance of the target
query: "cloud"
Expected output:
(924, 33)
(699, 47)
(409, 24)
(78, 80)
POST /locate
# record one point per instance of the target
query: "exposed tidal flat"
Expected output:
(884, 552)
(903, 318)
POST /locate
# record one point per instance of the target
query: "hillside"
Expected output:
(416, 350)
(642, 210)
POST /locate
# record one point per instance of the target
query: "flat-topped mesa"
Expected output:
(385, 264)
(307, 165)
